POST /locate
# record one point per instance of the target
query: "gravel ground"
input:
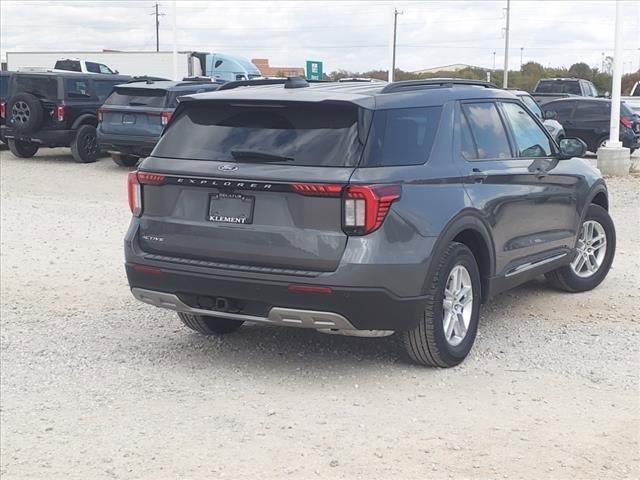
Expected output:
(97, 385)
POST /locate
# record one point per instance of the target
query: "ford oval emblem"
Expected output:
(228, 168)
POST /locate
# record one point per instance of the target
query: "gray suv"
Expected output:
(362, 209)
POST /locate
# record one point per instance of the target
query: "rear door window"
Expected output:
(487, 131)
(306, 134)
(138, 97)
(530, 139)
(402, 136)
(593, 110)
(77, 88)
(564, 110)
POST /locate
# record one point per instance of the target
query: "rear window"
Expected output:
(401, 136)
(40, 86)
(299, 134)
(558, 86)
(138, 97)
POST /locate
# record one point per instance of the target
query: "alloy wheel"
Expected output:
(457, 305)
(591, 249)
(20, 112)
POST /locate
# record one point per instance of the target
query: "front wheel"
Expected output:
(84, 147)
(594, 254)
(209, 325)
(21, 148)
(446, 332)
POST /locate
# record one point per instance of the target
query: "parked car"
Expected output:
(4, 87)
(548, 89)
(83, 66)
(134, 115)
(553, 126)
(361, 209)
(588, 119)
(53, 109)
(633, 99)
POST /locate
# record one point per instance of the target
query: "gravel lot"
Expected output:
(97, 385)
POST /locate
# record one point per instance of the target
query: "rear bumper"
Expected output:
(140, 146)
(48, 138)
(272, 302)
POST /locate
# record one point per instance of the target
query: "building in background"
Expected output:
(268, 71)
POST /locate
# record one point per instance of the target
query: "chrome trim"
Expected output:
(529, 265)
(358, 333)
(289, 317)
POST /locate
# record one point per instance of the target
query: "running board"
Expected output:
(531, 265)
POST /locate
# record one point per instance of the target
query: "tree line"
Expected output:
(524, 79)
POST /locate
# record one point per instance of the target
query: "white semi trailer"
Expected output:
(155, 64)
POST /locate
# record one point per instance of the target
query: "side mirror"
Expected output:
(116, 72)
(572, 147)
(550, 115)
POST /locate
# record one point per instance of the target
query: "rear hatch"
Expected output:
(247, 183)
(135, 111)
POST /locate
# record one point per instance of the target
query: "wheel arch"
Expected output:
(471, 230)
(85, 119)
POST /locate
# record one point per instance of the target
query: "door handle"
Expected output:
(477, 175)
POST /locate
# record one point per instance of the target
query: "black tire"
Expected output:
(426, 344)
(566, 279)
(124, 160)
(21, 148)
(24, 112)
(209, 325)
(597, 143)
(84, 146)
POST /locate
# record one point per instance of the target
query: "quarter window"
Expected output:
(488, 135)
(531, 141)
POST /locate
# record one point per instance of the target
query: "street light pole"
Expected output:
(393, 48)
(175, 41)
(521, 50)
(494, 60)
(505, 80)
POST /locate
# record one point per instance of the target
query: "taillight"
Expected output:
(626, 122)
(135, 194)
(165, 117)
(3, 109)
(134, 188)
(312, 190)
(100, 114)
(366, 207)
(60, 113)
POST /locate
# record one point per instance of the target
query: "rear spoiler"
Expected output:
(265, 81)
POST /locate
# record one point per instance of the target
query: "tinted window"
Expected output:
(559, 86)
(532, 105)
(593, 110)
(97, 68)
(38, 85)
(531, 140)
(402, 136)
(298, 134)
(468, 149)
(77, 87)
(564, 110)
(152, 97)
(69, 65)
(4, 85)
(488, 131)
(103, 88)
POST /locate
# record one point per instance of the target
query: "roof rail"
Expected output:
(148, 79)
(433, 83)
(262, 81)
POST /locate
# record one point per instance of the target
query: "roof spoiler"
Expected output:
(298, 81)
(434, 83)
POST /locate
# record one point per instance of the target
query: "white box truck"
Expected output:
(153, 64)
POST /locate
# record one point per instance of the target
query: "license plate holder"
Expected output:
(128, 119)
(231, 208)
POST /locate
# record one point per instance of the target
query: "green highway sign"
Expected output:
(314, 70)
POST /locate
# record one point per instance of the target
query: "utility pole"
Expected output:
(175, 41)
(157, 15)
(505, 81)
(494, 61)
(396, 12)
(521, 50)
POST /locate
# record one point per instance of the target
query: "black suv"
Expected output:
(362, 209)
(53, 109)
(133, 116)
(588, 119)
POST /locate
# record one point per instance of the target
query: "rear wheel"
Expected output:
(21, 148)
(84, 147)
(446, 332)
(595, 250)
(209, 325)
(124, 160)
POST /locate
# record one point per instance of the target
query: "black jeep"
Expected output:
(55, 109)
